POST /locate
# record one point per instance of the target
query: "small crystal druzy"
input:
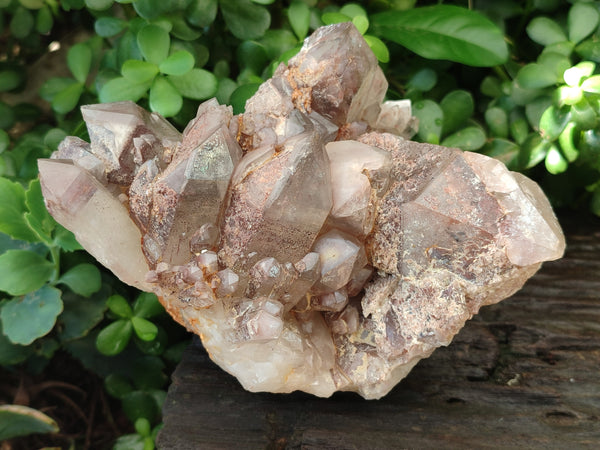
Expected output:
(307, 241)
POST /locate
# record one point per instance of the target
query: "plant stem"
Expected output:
(501, 73)
(55, 257)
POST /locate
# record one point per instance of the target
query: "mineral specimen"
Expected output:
(307, 241)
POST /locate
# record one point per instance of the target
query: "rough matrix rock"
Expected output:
(307, 241)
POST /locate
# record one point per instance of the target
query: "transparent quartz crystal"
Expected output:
(309, 243)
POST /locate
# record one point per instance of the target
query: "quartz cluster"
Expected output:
(309, 243)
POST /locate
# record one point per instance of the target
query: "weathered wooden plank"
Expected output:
(523, 373)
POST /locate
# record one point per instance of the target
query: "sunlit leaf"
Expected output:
(444, 32)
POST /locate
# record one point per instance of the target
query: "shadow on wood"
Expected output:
(523, 373)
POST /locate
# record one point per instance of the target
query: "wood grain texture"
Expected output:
(524, 373)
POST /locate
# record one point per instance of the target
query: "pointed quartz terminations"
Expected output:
(123, 136)
(278, 202)
(336, 74)
(306, 241)
(99, 220)
(361, 174)
(188, 194)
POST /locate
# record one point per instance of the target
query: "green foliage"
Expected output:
(18, 420)
(529, 97)
(445, 32)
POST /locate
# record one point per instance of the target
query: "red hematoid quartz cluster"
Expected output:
(307, 241)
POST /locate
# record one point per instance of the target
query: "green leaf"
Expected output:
(197, 84)
(582, 21)
(23, 271)
(535, 109)
(139, 404)
(67, 99)
(299, 16)
(98, 5)
(378, 48)
(202, 13)
(555, 162)
(138, 71)
(7, 117)
(584, 115)
(277, 42)
(22, 23)
(9, 79)
(113, 339)
(154, 43)
(12, 209)
(569, 95)
(430, 117)
(147, 306)
(503, 150)
(470, 138)
(519, 129)
(564, 48)
(545, 31)
(164, 98)
(533, 151)
(444, 32)
(109, 26)
(555, 63)
(245, 19)
(457, 106)
(119, 306)
(31, 4)
(83, 279)
(574, 75)
(252, 55)
(12, 354)
(65, 239)
(567, 142)
(80, 314)
(117, 385)
(592, 84)
(535, 76)
(147, 373)
(79, 61)
(181, 30)
(120, 89)
(156, 346)
(497, 121)
(133, 442)
(4, 140)
(55, 85)
(240, 95)
(178, 63)
(589, 49)
(54, 137)
(24, 319)
(353, 10)
(423, 80)
(142, 426)
(44, 20)
(18, 420)
(144, 329)
(38, 218)
(361, 23)
(334, 17)
(553, 122)
(224, 91)
(491, 86)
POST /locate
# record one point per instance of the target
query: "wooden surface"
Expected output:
(522, 374)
